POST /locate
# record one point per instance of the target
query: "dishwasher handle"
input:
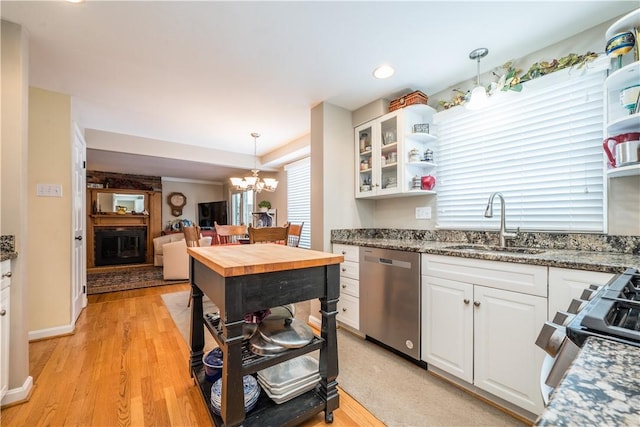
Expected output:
(387, 261)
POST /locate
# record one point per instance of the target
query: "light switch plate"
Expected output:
(49, 190)
(423, 212)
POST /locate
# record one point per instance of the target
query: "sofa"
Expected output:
(159, 242)
(175, 259)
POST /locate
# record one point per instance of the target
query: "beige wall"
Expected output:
(50, 234)
(195, 191)
(13, 209)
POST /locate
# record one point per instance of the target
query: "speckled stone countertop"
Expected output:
(593, 252)
(602, 388)
(7, 248)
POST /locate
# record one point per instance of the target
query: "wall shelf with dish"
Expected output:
(621, 88)
(391, 150)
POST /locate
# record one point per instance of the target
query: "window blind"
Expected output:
(540, 148)
(299, 197)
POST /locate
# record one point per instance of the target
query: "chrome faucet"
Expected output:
(488, 213)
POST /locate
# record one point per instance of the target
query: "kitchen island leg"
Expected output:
(328, 362)
(196, 332)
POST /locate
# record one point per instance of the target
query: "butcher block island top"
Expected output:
(240, 260)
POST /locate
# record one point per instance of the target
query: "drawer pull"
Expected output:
(344, 269)
(3, 312)
(466, 301)
(344, 286)
(344, 252)
(344, 309)
(476, 303)
(7, 274)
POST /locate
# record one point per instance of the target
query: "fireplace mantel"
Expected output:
(152, 220)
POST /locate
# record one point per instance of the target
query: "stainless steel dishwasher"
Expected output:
(390, 298)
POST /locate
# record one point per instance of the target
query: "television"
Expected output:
(210, 212)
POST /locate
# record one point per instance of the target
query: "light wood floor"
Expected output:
(126, 365)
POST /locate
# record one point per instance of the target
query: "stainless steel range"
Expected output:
(611, 311)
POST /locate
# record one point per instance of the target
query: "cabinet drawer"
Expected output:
(523, 278)
(350, 270)
(349, 286)
(351, 253)
(349, 311)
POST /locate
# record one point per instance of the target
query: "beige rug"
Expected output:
(394, 390)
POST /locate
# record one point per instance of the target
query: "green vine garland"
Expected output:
(512, 80)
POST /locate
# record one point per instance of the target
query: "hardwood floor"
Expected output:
(126, 365)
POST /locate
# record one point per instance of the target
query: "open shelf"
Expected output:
(620, 172)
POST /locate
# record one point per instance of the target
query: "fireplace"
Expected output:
(119, 245)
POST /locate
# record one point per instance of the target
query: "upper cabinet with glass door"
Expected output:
(622, 119)
(394, 152)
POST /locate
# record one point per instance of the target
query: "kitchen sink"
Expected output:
(487, 248)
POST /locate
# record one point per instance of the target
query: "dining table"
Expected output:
(242, 279)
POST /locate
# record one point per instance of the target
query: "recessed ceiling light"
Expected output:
(383, 72)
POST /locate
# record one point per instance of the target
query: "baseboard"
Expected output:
(19, 394)
(51, 332)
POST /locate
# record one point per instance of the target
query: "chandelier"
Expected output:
(254, 182)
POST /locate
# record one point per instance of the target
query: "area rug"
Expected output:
(124, 279)
(394, 390)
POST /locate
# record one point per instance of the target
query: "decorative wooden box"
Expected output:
(412, 98)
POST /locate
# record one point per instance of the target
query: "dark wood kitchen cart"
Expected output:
(242, 279)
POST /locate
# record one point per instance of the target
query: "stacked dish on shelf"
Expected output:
(251, 394)
(290, 379)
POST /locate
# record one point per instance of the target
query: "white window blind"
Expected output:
(299, 198)
(541, 148)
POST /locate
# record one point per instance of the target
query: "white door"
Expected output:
(79, 256)
(507, 361)
(447, 326)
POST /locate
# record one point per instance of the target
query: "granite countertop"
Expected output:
(7, 248)
(581, 256)
(602, 387)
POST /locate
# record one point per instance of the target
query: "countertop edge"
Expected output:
(606, 262)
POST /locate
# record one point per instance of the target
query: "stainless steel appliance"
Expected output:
(611, 311)
(390, 298)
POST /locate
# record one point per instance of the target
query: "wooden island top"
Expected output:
(240, 260)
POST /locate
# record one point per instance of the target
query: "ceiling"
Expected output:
(207, 74)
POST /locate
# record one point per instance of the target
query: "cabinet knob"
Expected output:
(466, 301)
(344, 286)
(3, 312)
(344, 252)
(8, 274)
(344, 269)
(344, 309)
(476, 303)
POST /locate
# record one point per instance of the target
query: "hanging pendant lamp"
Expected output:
(478, 96)
(254, 182)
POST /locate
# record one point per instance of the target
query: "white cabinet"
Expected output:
(384, 167)
(5, 315)
(566, 284)
(619, 120)
(349, 302)
(480, 320)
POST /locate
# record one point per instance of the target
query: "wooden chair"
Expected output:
(268, 234)
(226, 234)
(192, 236)
(295, 230)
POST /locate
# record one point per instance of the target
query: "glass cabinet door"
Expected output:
(364, 148)
(388, 154)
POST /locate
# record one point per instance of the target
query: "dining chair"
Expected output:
(268, 234)
(226, 234)
(295, 230)
(192, 236)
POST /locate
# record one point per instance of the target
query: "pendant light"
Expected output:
(254, 182)
(478, 96)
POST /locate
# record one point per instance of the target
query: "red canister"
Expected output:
(428, 182)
